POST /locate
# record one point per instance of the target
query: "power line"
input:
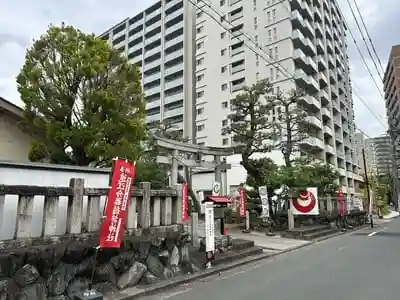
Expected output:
(359, 50)
(364, 39)
(369, 37)
(255, 43)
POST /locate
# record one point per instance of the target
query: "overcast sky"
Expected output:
(22, 20)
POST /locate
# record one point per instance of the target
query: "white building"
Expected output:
(160, 41)
(299, 43)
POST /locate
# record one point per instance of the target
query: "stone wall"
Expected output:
(59, 271)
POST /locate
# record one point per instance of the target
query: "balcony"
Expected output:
(174, 14)
(326, 112)
(153, 118)
(173, 69)
(313, 120)
(317, 14)
(303, 43)
(174, 83)
(305, 62)
(174, 41)
(151, 78)
(324, 96)
(307, 10)
(312, 101)
(152, 39)
(331, 61)
(173, 112)
(152, 26)
(323, 79)
(171, 98)
(313, 142)
(334, 91)
(329, 149)
(151, 52)
(303, 79)
(320, 47)
(318, 30)
(328, 130)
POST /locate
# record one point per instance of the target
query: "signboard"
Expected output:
(185, 203)
(262, 191)
(216, 190)
(119, 195)
(210, 230)
(242, 202)
(307, 203)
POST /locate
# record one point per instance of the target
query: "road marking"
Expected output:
(372, 233)
(175, 293)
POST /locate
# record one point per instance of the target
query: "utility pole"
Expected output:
(368, 192)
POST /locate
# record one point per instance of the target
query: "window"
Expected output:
(277, 73)
(224, 122)
(201, 144)
(222, 2)
(271, 74)
(199, 94)
(200, 127)
(274, 33)
(223, 18)
(225, 141)
(199, 78)
(223, 69)
(276, 53)
(200, 61)
(225, 104)
(224, 87)
(268, 17)
(254, 5)
(223, 52)
(269, 35)
(256, 38)
(199, 111)
(270, 53)
(223, 35)
(255, 21)
(199, 14)
(199, 29)
(274, 14)
(200, 45)
(278, 90)
(257, 76)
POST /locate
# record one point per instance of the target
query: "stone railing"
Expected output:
(150, 212)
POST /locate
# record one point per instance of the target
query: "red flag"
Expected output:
(185, 203)
(341, 202)
(242, 202)
(112, 230)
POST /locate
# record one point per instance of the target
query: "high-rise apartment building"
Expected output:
(384, 155)
(297, 43)
(391, 85)
(160, 41)
(368, 146)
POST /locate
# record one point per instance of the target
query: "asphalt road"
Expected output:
(364, 265)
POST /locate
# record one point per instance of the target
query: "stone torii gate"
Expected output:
(193, 157)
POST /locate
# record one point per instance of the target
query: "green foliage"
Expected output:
(83, 101)
(249, 124)
(290, 127)
(380, 189)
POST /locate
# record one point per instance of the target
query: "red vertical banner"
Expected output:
(185, 203)
(112, 230)
(341, 202)
(242, 202)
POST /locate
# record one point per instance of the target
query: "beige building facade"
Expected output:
(14, 144)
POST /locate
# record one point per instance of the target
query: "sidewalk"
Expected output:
(274, 243)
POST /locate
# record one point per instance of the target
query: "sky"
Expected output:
(22, 21)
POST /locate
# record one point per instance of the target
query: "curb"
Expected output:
(134, 293)
(168, 284)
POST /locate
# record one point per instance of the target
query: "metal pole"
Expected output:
(367, 184)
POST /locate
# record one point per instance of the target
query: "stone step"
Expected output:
(318, 234)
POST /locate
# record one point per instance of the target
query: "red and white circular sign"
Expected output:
(305, 203)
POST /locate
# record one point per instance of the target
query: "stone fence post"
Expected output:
(74, 210)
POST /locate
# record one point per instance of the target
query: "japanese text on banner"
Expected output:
(185, 203)
(242, 202)
(116, 207)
